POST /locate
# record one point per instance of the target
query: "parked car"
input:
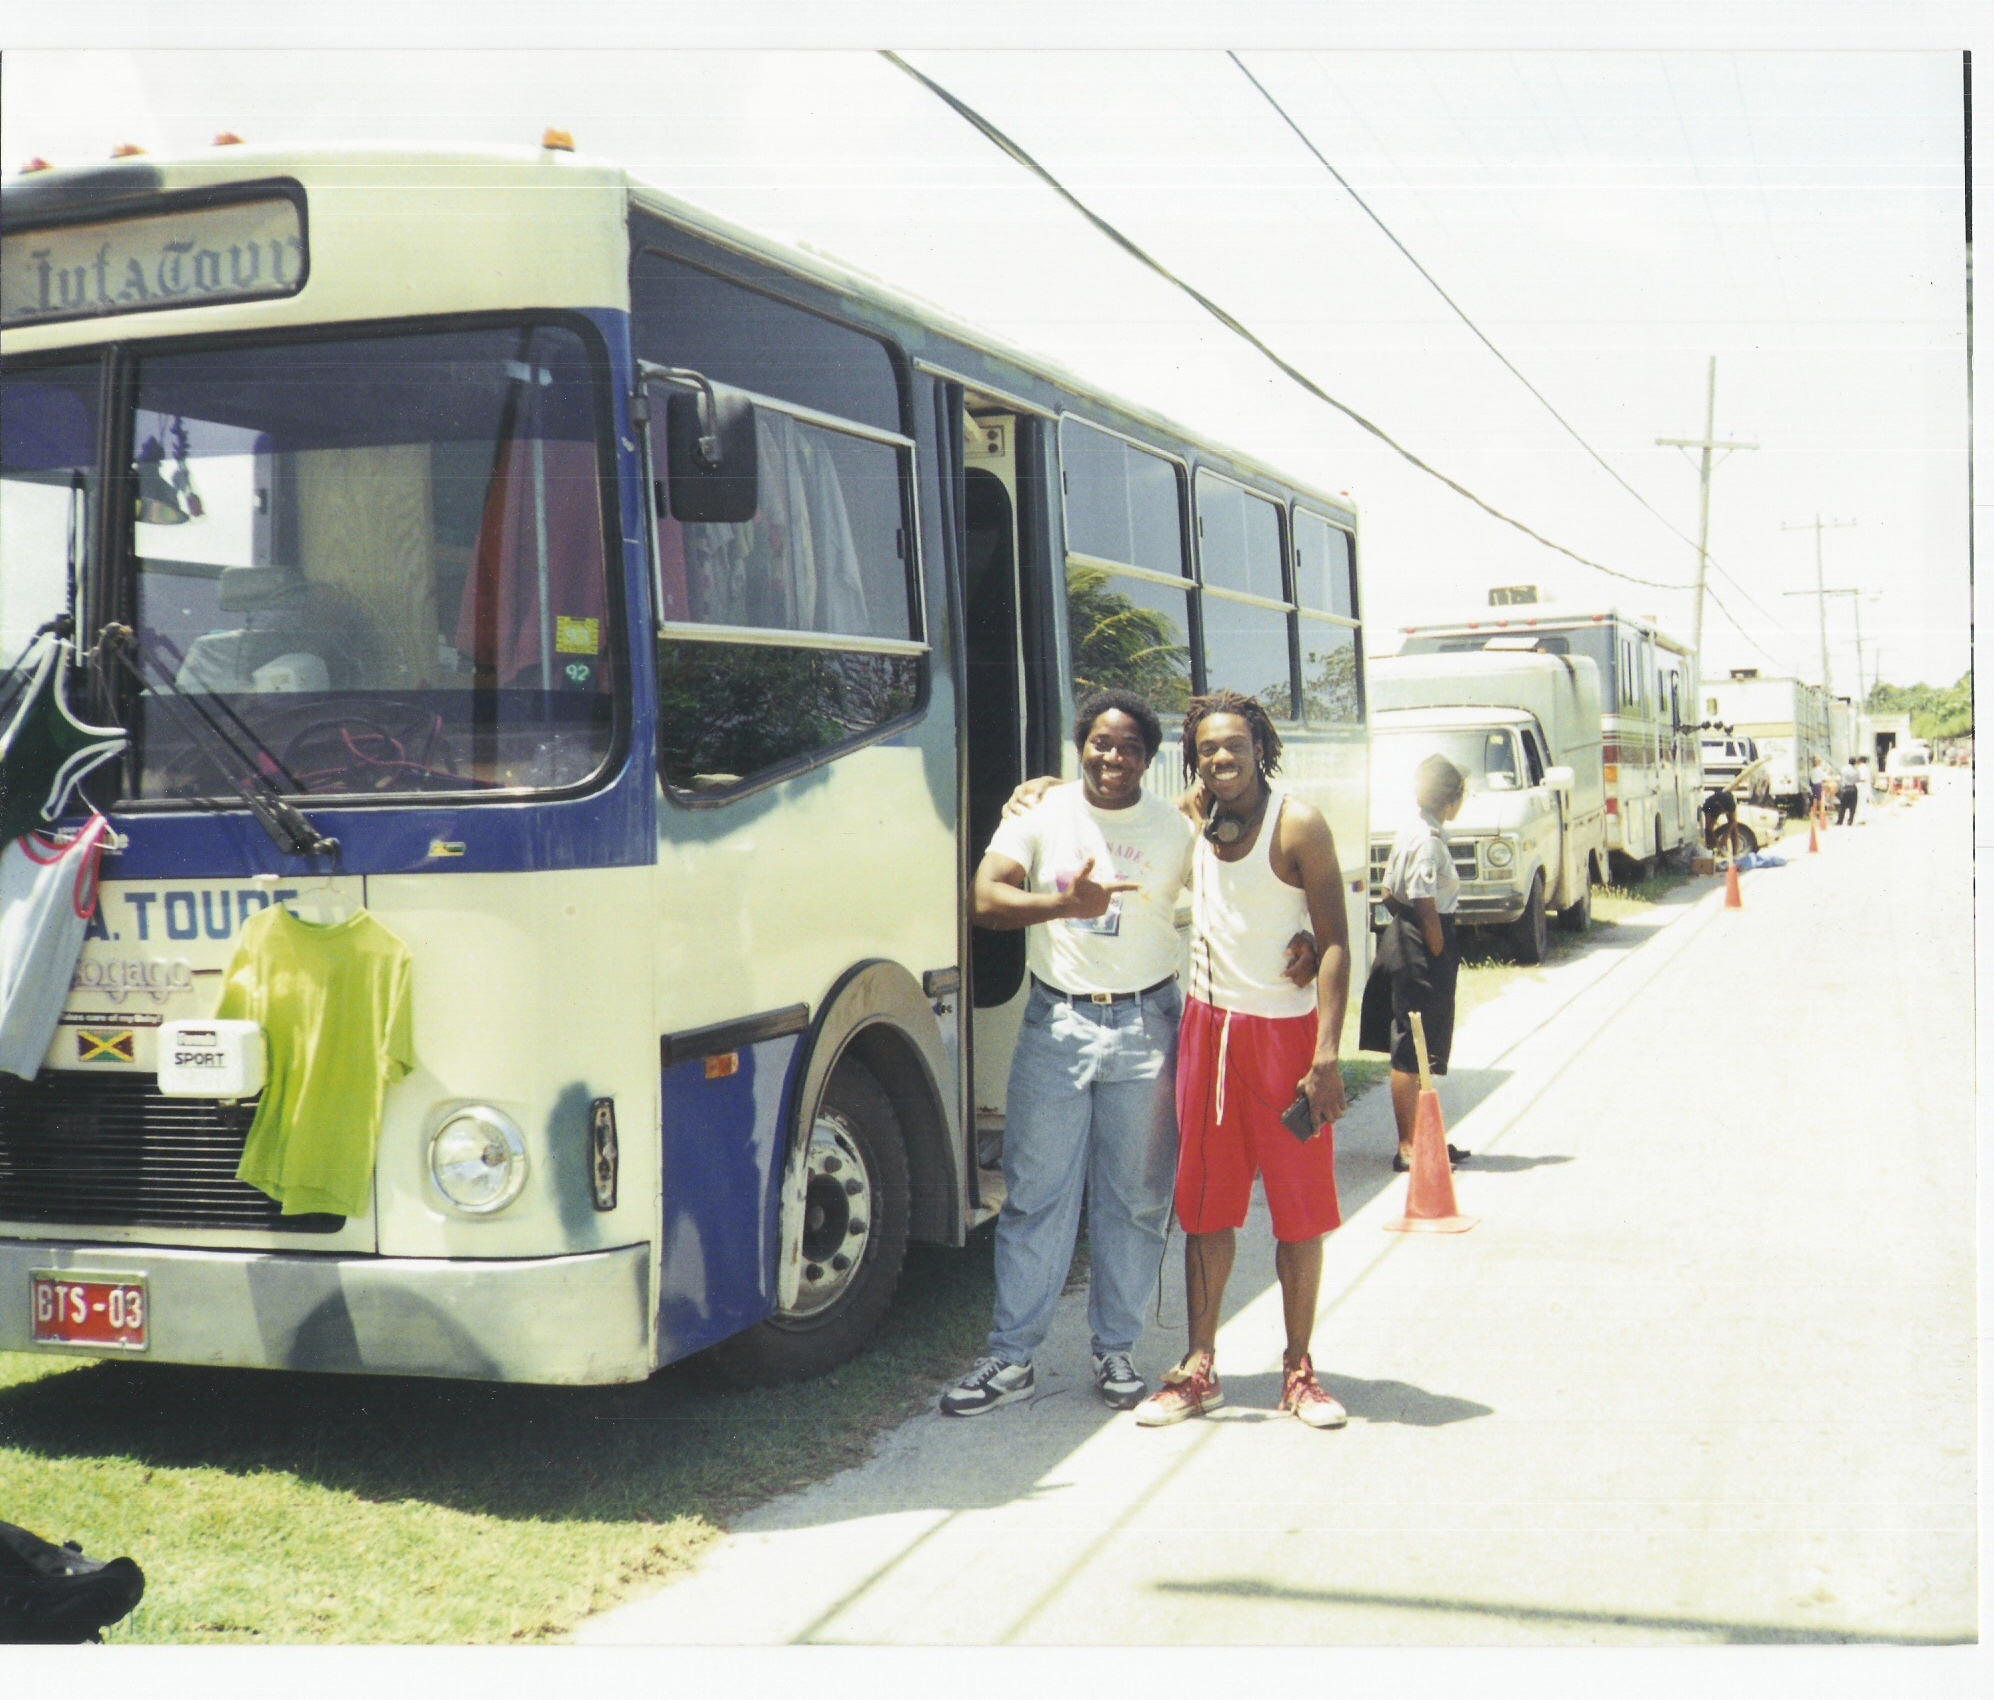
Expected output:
(1909, 769)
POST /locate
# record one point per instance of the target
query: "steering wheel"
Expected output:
(354, 753)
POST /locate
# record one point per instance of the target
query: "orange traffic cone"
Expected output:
(1813, 842)
(1734, 898)
(1429, 1196)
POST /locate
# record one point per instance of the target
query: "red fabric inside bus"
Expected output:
(498, 625)
(674, 600)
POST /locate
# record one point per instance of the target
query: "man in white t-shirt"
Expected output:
(1094, 871)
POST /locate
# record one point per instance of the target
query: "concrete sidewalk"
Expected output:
(1704, 1373)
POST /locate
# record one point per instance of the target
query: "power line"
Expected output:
(1460, 312)
(1739, 628)
(1004, 143)
(1770, 619)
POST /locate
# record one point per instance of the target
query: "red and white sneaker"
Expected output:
(1189, 1390)
(1303, 1394)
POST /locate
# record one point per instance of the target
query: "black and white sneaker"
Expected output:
(1120, 1387)
(991, 1383)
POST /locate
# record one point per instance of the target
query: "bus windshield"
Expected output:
(384, 554)
(1486, 756)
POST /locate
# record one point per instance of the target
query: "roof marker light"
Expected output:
(127, 150)
(557, 141)
(227, 139)
(37, 164)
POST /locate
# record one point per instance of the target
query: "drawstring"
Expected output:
(1225, 1039)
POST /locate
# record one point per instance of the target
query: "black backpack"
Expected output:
(53, 1593)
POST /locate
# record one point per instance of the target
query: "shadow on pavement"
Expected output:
(1705, 1628)
(1366, 1140)
(1258, 1396)
(1496, 1164)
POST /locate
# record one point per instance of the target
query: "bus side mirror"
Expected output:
(710, 456)
(1560, 779)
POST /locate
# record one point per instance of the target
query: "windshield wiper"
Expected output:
(289, 830)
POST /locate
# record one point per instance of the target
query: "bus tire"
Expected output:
(839, 1308)
(1529, 937)
(1576, 917)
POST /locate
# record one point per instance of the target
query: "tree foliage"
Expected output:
(1118, 644)
(1937, 711)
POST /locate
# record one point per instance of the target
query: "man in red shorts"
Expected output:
(1251, 1045)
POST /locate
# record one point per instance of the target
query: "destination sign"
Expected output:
(238, 251)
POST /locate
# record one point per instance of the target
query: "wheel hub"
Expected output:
(837, 1215)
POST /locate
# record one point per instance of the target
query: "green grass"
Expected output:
(269, 1507)
(1618, 902)
(1361, 1073)
(272, 1507)
(1487, 966)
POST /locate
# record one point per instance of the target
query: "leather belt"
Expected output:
(1105, 997)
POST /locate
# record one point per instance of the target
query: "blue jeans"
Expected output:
(1091, 1106)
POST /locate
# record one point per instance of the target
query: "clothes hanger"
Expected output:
(110, 843)
(316, 901)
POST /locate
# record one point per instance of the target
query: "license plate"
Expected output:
(69, 1310)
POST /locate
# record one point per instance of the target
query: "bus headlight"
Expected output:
(1499, 853)
(478, 1160)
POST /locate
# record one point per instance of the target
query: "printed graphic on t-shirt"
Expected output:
(1106, 926)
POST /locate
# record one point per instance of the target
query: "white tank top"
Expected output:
(1242, 916)
(47, 895)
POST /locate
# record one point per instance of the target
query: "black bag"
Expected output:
(53, 1593)
(1374, 1013)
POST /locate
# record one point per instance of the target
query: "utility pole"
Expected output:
(1819, 525)
(1857, 599)
(1706, 443)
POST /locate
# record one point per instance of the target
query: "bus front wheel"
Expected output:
(848, 1213)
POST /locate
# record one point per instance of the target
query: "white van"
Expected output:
(1525, 729)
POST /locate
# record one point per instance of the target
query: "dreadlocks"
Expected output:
(1266, 741)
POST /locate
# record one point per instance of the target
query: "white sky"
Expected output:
(1611, 218)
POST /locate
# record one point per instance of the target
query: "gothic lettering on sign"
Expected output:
(209, 254)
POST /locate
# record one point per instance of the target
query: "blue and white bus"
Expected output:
(645, 623)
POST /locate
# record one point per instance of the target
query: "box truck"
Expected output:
(1786, 718)
(1651, 756)
(1525, 729)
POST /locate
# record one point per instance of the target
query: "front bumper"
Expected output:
(550, 1319)
(1480, 906)
(1491, 908)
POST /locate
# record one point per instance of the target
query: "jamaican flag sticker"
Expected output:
(104, 1045)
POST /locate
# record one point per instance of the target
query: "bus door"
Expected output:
(1687, 773)
(995, 725)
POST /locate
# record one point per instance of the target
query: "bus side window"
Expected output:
(1326, 592)
(1240, 555)
(826, 557)
(829, 555)
(1124, 508)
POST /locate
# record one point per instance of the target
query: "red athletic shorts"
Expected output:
(1248, 1066)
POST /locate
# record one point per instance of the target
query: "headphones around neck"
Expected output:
(1222, 828)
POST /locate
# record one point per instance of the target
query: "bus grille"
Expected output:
(110, 1151)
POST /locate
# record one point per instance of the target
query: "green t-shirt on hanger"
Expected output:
(333, 1002)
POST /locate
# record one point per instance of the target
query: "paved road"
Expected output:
(1705, 1372)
